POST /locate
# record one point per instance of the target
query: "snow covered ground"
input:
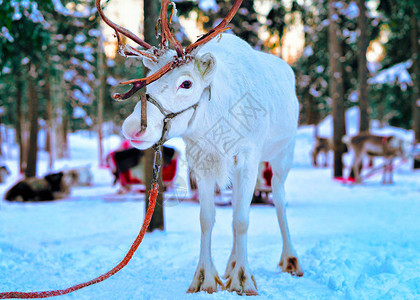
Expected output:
(360, 242)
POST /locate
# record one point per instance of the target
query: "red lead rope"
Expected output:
(122, 264)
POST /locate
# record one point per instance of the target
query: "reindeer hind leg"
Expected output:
(281, 166)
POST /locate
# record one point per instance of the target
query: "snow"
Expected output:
(35, 15)
(88, 121)
(62, 47)
(351, 11)
(373, 66)
(353, 35)
(89, 57)
(69, 75)
(77, 94)
(308, 51)
(208, 5)
(83, 49)
(6, 34)
(314, 92)
(60, 8)
(6, 70)
(354, 96)
(359, 242)
(84, 86)
(111, 81)
(79, 112)
(25, 61)
(86, 66)
(94, 32)
(74, 61)
(80, 38)
(324, 23)
(396, 74)
(110, 63)
(16, 15)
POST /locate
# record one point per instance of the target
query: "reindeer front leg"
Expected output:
(205, 277)
(357, 165)
(388, 171)
(391, 171)
(238, 273)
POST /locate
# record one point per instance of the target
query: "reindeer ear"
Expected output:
(148, 63)
(206, 66)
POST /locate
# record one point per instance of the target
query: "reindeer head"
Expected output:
(177, 80)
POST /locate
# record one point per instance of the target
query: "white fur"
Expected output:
(254, 105)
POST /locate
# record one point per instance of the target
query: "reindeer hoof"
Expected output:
(291, 265)
(242, 282)
(229, 269)
(205, 282)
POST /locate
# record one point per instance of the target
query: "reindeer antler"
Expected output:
(141, 83)
(216, 30)
(118, 29)
(166, 36)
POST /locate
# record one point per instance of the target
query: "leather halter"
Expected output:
(168, 115)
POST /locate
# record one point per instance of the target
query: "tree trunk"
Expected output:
(58, 115)
(101, 94)
(65, 132)
(7, 139)
(30, 170)
(416, 81)
(48, 119)
(336, 90)
(18, 126)
(362, 68)
(151, 14)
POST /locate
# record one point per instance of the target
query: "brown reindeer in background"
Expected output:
(369, 145)
(324, 146)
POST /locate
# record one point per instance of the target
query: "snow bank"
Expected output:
(397, 74)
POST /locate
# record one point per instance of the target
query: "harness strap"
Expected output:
(157, 104)
(168, 116)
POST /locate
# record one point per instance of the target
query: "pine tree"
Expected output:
(59, 43)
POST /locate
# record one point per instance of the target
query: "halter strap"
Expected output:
(168, 115)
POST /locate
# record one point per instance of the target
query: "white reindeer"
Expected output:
(234, 107)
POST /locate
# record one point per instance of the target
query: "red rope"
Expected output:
(122, 264)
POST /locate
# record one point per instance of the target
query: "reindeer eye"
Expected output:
(186, 84)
